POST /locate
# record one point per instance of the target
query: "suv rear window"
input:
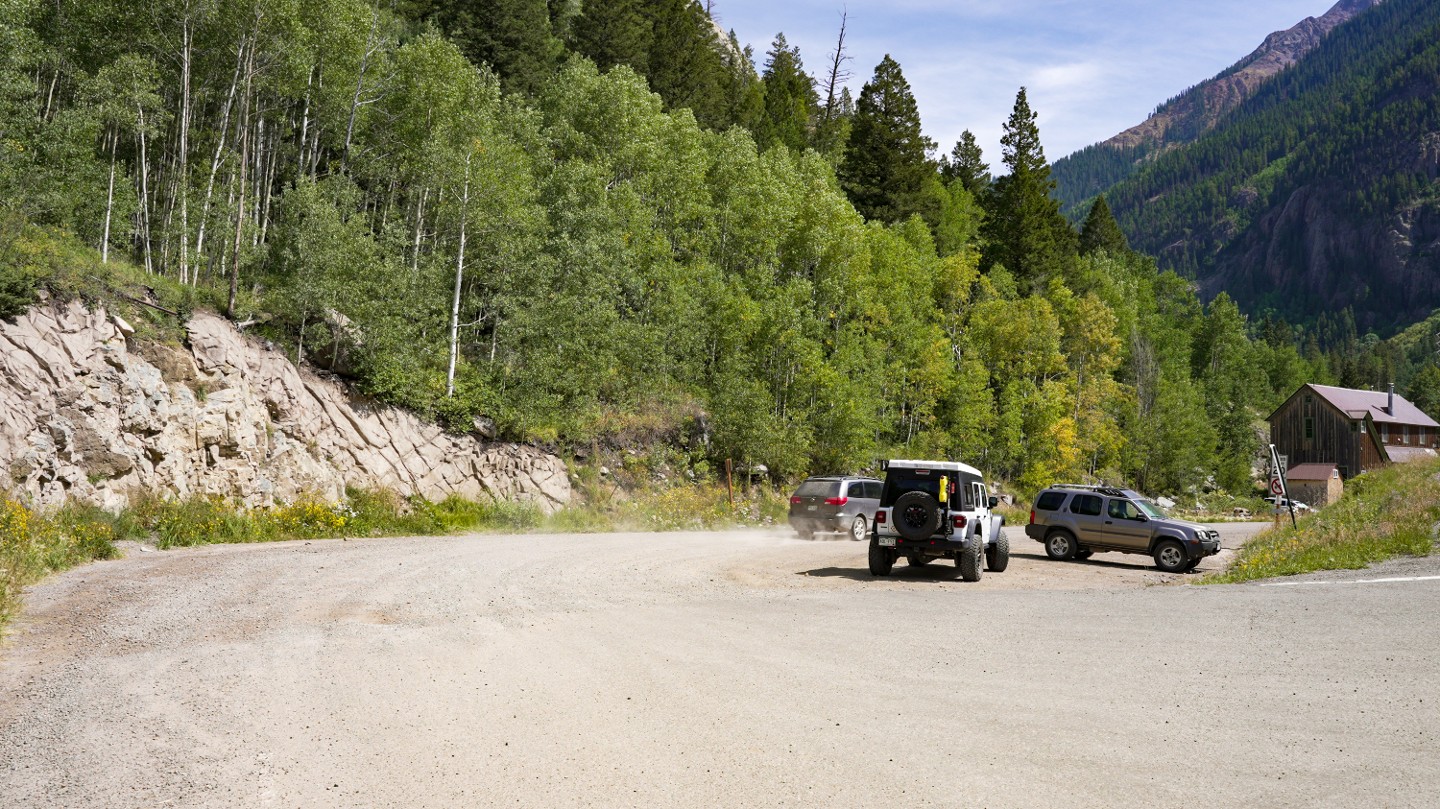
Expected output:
(818, 488)
(1049, 501)
(1088, 505)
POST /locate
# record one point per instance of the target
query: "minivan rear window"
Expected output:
(818, 488)
(1049, 501)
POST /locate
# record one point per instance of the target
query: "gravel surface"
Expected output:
(722, 669)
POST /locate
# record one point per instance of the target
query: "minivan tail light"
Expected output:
(795, 501)
(836, 501)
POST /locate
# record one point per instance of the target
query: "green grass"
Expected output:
(34, 545)
(1384, 514)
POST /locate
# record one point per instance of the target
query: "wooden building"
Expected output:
(1355, 430)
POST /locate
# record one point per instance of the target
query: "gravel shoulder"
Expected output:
(726, 669)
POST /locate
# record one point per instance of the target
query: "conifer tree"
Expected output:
(614, 32)
(513, 37)
(1025, 230)
(789, 99)
(887, 163)
(967, 164)
(686, 67)
(1102, 232)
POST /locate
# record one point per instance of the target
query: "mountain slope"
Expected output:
(1183, 119)
(1320, 192)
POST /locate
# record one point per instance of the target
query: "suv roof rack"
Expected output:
(1113, 491)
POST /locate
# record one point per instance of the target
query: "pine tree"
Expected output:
(1102, 232)
(789, 99)
(511, 36)
(1424, 391)
(615, 32)
(887, 163)
(1025, 231)
(967, 164)
(686, 67)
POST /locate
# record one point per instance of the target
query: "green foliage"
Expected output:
(966, 165)
(34, 544)
(1101, 231)
(887, 165)
(1024, 231)
(790, 100)
(1384, 514)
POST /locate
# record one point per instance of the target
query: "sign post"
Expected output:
(1278, 488)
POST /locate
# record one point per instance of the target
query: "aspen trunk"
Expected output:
(459, 280)
(219, 155)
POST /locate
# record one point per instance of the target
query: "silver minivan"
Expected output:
(834, 503)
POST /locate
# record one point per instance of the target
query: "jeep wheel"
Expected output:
(997, 556)
(881, 560)
(970, 561)
(1060, 545)
(916, 515)
(1170, 556)
(857, 528)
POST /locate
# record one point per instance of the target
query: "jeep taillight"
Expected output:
(879, 518)
(836, 501)
(959, 520)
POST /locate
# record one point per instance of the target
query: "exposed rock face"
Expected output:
(1194, 112)
(87, 413)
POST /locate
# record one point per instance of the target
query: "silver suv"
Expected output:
(1074, 521)
(834, 503)
(933, 510)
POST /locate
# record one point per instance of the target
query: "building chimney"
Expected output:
(1391, 407)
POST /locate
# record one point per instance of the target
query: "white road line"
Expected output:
(1355, 581)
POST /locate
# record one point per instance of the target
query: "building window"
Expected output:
(1384, 433)
(1309, 428)
(1404, 433)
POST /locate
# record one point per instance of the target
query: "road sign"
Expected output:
(1276, 487)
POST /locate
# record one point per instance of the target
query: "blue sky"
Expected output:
(1091, 69)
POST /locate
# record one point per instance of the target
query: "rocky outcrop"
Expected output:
(1195, 111)
(88, 412)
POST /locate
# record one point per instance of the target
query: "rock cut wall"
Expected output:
(87, 412)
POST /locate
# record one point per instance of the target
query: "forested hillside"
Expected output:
(470, 224)
(1322, 191)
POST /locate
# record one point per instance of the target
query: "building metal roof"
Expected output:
(1408, 454)
(1312, 471)
(1359, 403)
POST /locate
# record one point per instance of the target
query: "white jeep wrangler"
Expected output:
(937, 509)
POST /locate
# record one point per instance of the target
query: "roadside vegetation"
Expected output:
(1384, 514)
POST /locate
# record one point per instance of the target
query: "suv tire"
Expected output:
(858, 528)
(882, 560)
(970, 560)
(916, 515)
(997, 556)
(1170, 556)
(1060, 545)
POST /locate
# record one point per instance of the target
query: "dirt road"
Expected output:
(736, 669)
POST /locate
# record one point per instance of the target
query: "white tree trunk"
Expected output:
(459, 280)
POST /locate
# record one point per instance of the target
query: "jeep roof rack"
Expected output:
(1112, 491)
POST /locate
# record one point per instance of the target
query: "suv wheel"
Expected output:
(857, 528)
(969, 561)
(1060, 545)
(1170, 556)
(881, 560)
(997, 556)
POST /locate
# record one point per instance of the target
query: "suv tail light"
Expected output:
(1032, 516)
(836, 501)
(959, 520)
(795, 501)
(879, 518)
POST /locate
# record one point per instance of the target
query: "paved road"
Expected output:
(740, 669)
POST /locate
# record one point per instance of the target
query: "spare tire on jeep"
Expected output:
(916, 515)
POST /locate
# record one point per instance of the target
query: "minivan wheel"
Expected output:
(1060, 545)
(881, 562)
(1170, 556)
(857, 528)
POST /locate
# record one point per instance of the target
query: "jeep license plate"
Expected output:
(887, 542)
